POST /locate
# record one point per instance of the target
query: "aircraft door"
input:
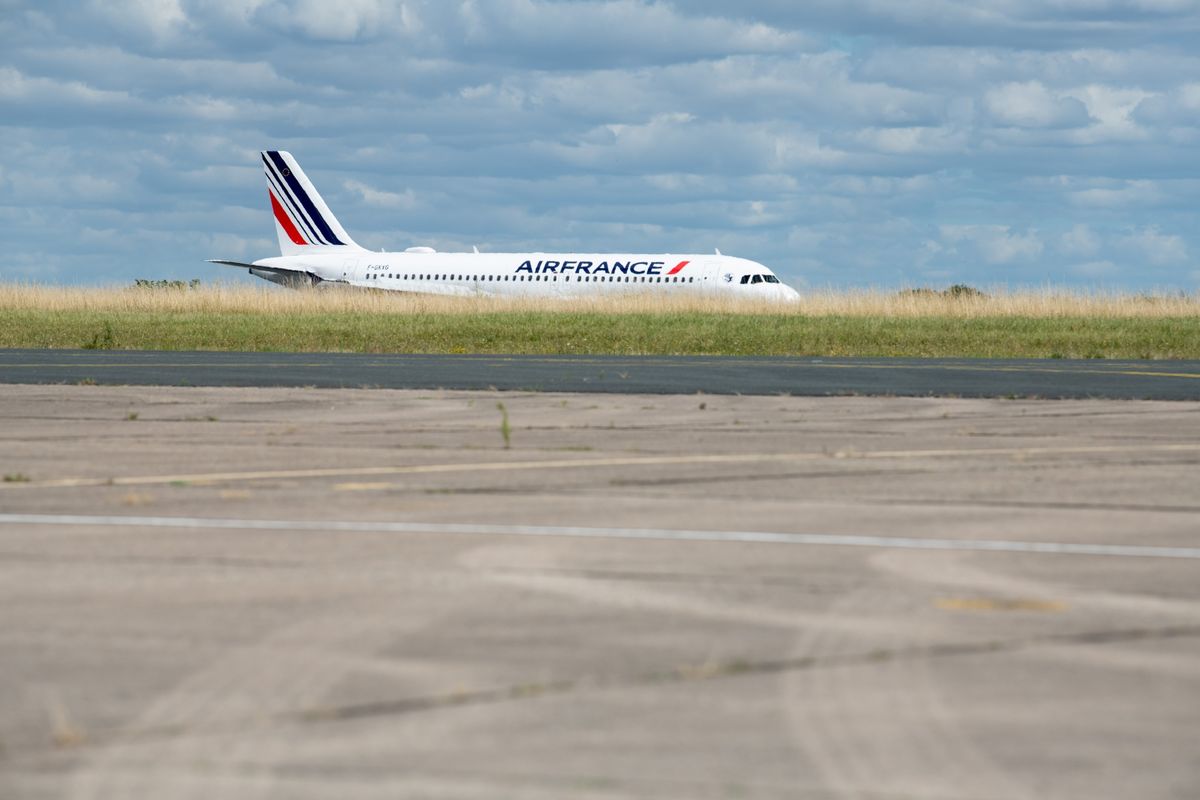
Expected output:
(711, 274)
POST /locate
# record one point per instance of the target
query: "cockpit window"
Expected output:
(770, 279)
(757, 279)
(745, 279)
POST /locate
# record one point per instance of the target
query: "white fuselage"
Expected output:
(537, 274)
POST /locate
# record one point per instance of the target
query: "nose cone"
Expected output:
(788, 293)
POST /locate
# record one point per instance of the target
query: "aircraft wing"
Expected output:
(290, 277)
(245, 265)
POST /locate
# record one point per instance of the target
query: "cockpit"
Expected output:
(759, 279)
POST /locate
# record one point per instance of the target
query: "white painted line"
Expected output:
(657, 534)
(591, 463)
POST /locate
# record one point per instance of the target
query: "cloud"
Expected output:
(1155, 247)
(1118, 194)
(1017, 24)
(1032, 105)
(578, 33)
(841, 142)
(161, 20)
(1179, 106)
(343, 21)
(997, 244)
(374, 197)
(1081, 240)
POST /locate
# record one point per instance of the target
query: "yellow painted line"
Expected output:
(801, 364)
(985, 368)
(792, 364)
(992, 604)
(591, 463)
(159, 365)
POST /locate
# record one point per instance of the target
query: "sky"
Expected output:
(843, 143)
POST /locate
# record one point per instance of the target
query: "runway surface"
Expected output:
(225, 592)
(1052, 378)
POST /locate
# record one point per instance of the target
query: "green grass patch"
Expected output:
(585, 332)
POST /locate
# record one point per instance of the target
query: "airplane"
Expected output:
(315, 248)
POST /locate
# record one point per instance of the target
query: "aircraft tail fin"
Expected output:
(303, 221)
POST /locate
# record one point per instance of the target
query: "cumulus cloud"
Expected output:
(376, 197)
(1013, 23)
(1179, 106)
(1114, 194)
(1032, 105)
(162, 20)
(343, 21)
(1154, 246)
(847, 142)
(1081, 240)
(997, 244)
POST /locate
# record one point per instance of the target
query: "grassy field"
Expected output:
(1031, 324)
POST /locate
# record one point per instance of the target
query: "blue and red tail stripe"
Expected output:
(284, 221)
(284, 194)
(289, 206)
(323, 233)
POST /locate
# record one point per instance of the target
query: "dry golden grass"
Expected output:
(270, 300)
(1045, 324)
